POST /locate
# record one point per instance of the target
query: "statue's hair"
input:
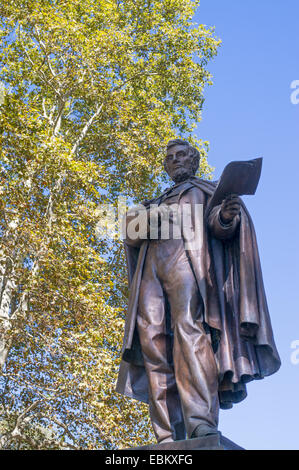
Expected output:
(193, 151)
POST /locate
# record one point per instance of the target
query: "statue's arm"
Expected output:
(136, 228)
(138, 221)
(218, 228)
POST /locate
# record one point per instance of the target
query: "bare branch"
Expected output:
(26, 411)
(66, 429)
(86, 127)
(57, 123)
(43, 47)
(44, 109)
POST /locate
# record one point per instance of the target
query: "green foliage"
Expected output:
(93, 91)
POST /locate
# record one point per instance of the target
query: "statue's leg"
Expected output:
(194, 361)
(164, 402)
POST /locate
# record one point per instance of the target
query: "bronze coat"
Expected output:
(229, 278)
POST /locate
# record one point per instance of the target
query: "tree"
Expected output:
(93, 90)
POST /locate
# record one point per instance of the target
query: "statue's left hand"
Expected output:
(230, 208)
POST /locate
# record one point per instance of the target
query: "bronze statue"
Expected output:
(198, 327)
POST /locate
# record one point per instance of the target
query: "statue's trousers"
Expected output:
(178, 356)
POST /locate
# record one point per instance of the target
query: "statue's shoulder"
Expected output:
(206, 186)
(148, 202)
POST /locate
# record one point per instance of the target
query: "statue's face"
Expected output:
(179, 163)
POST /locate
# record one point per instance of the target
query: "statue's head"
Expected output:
(181, 161)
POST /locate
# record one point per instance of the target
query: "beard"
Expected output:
(181, 174)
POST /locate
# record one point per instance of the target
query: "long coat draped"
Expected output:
(229, 278)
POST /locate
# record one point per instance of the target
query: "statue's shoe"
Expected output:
(204, 429)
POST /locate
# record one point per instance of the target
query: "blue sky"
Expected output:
(248, 113)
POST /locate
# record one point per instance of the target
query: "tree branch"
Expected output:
(86, 127)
